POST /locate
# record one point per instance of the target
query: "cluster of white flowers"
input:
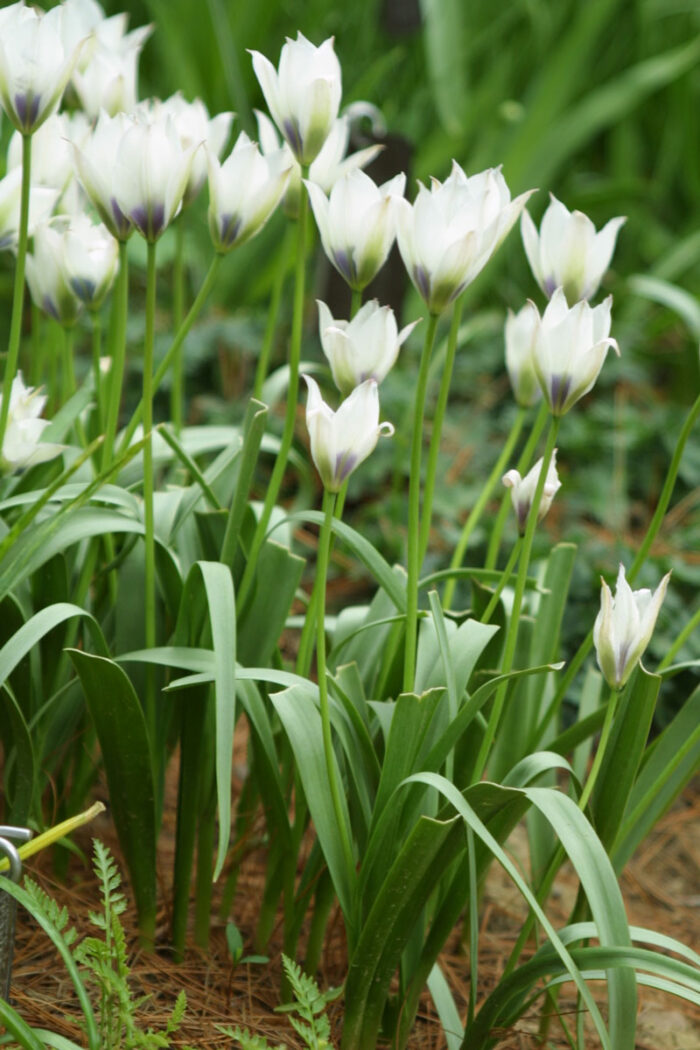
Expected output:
(118, 165)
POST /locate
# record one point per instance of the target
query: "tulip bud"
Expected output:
(568, 253)
(91, 260)
(523, 490)
(520, 335)
(303, 94)
(570, 348)
(243, 192)
(34, 65)
(365, 347)
(451, 231)
(624, 626)
(341, 440)
(21, 445)
(95, 164)
(357, 224)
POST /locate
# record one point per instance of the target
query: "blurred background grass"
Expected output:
(596, 102)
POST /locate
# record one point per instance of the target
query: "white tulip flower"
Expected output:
(302, 94)
(451, 231)
(520, 336)
(624, 626)
(243, 192)
(523, 490)
(47, 276)
(330, 164)
(34, 64)
(341, 440)
(151, 171)
(365, 347)
(357, 224)
(96, 163)
(22, 446)
(570, 348)
(568, 253)
(42, 201)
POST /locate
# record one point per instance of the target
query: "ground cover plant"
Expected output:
(418, 661)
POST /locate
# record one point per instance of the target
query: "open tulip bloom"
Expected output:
(624, 626)
(567, 252)
(303, 93)
(365, 347)
(22, 446)
(570, 348)
(41, 204)
(357, 223)
(244, 191)
(523, 490)
(450, 232)
(34, 65)
(341, 440)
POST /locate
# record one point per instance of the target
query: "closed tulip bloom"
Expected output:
(624, 626)
(357, 224)
(243, 192)
(47, 275)
(330, 164)
(450, 232)
(570, 349)
(41, 203)
(365, 347)
(91, 260)
(341, 440)
(302, 94)
(567, 252)
(522, 490)
(34, 65)
(22, 446)
(520, 335)
(151, 171)
(96, 167)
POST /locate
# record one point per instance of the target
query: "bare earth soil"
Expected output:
(660, 886)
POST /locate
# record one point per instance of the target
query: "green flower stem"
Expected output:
(480, 505)
(305, 652)
(355, 302)
(436, 436)
(522, 467)
(177, 342)
(679, 642)
(324, 547)
(292, 396)
(150, 543)
(176, 392)
(36, 369)
(505, 577)
(558, 856)
(514, 622)
(651, 533)
(272, 315)
(67, 369)
(18, 293)
(96, 323)
(414, 506)
(118, 354)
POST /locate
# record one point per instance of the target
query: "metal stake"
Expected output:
(8, 905)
